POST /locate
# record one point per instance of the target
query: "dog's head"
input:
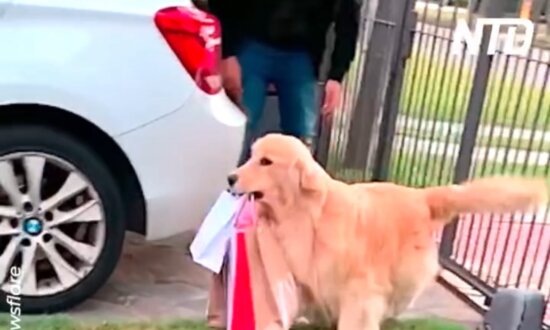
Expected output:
(280, 168)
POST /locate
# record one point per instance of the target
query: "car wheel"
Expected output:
(61, 219)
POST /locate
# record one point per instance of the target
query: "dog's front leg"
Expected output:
(361, 309)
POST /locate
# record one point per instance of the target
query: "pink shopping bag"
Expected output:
(255, 290)
(240, 307)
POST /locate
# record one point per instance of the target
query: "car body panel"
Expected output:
(105, 61)
(183, 176)
(94, 38)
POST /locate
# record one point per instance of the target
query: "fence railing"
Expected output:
(459, 117)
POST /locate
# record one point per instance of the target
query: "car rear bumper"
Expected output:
(182, 161)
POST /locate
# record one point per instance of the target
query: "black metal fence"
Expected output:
(420, 116)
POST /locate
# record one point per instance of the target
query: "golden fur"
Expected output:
(362, 252)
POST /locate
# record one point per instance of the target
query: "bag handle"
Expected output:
(247, 205)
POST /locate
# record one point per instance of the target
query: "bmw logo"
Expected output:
(33, 226)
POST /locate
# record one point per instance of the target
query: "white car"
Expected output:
(112, 118)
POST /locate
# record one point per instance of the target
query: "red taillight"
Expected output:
(195, 38)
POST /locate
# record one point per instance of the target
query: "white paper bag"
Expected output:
(210, 244)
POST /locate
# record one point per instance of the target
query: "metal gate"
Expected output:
(417, 115)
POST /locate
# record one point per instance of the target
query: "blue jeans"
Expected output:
(294, 77)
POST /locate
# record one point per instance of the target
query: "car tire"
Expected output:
(43, 140)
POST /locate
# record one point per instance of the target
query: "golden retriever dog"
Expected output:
(362, 252)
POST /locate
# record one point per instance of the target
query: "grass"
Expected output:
(435, 89)
(440, 91)
(437, 86)
(62, 323)
(493, 141)
(436, 170)
(420, 170)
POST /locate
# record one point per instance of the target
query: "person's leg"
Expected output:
(296, 86)
(255, 63)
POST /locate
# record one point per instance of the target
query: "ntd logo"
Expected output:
(473, 39)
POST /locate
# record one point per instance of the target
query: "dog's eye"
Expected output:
(265, 162)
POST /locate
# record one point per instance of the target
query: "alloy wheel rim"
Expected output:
(52, 223)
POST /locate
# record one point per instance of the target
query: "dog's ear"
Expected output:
(311, 177)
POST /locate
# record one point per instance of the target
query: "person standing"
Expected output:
(282, 42)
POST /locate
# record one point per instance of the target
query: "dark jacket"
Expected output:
(292, 24)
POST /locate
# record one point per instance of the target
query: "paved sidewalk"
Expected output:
(159, 281)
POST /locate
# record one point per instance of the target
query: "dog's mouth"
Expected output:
(257, 195)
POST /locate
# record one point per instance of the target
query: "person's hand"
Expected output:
(231, 78)
(333, 94)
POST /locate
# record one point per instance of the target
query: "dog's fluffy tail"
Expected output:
(494, 194)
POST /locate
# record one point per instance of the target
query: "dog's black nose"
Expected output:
(232, 179)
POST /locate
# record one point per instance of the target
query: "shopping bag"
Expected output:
(240, 304)
(209, 246)
(279, 278)
(216, 310)
(255, 289)
(218, 298)
(262, 288)
(265, 309)
(274, 292)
